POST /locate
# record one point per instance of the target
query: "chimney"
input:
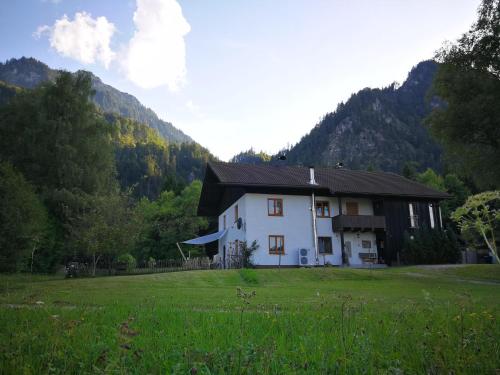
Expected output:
(312, 181)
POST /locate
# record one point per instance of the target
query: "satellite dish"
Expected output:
(239, 223)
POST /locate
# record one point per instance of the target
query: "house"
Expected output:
(357, 217)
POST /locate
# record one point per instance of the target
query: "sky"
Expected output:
(236, 74)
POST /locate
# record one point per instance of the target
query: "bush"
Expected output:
(129, 260)
(247, 254)
(430, 246)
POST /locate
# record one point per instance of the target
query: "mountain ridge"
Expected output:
(28, 72)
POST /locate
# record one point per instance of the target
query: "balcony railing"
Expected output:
(357, 222)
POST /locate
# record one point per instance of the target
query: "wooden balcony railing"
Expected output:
(357, 223)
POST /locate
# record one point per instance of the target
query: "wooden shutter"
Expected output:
(352, 208)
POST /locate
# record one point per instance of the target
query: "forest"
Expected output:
(77, 183)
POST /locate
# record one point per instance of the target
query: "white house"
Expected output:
(335, 216)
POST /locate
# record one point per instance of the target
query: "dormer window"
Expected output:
(275, 207)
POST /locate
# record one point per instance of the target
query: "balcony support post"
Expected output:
(342, 244)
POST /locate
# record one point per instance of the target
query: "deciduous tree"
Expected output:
(481, 215)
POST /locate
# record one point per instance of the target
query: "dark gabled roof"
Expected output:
(337, 181)
(330, 180)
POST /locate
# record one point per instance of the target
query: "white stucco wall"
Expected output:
(233, 232)
(296, 227)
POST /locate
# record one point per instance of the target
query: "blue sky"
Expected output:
(236, 74)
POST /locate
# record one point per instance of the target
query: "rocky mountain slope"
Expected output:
(376, 128)
(29, 72)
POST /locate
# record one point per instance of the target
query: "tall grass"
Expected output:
(283, 324)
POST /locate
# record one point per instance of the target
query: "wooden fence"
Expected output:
(158, 266)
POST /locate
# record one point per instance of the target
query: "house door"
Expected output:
(348, 251)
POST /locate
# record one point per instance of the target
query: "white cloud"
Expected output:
(192, 107)
(156, 54)
(84, 39)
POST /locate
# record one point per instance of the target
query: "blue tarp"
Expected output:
(206, 239)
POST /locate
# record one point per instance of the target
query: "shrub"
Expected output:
(247, 254)
(129, 260)
(430, 246)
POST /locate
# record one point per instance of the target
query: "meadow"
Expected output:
(407, 320)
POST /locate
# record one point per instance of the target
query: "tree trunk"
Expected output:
(32, 258)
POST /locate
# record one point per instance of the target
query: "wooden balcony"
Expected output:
(357, 223)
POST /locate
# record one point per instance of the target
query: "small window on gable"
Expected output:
(322, 209)
(275, 207)
(352, 208)
(236, 214)
(366, 244)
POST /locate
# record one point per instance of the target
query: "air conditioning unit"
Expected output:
(304, 258)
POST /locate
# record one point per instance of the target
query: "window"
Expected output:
(431, 215)
(236, 215)
(224, 221)
(352, 208)
(325, 245)
(366, 244)
(413, 217)
(276, 244)
(275, 207)
(322, 209)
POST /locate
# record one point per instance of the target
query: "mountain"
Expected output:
(29, 72)
(375, 129)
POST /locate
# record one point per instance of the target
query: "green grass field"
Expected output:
(409, 320)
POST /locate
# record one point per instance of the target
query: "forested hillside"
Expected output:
(147, 164)
(29, 73)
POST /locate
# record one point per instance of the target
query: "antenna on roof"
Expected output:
(281, 157)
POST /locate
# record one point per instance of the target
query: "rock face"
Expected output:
(376, 128)
(29, 72)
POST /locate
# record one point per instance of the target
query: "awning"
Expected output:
(206, 239)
